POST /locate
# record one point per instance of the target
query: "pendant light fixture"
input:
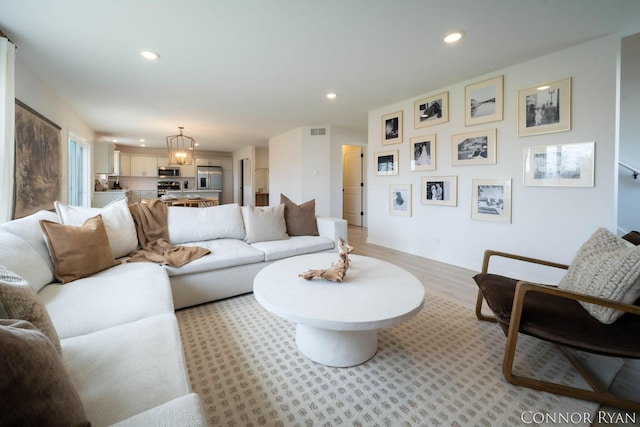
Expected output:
(180, 148)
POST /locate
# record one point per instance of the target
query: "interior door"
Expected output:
(353, 184)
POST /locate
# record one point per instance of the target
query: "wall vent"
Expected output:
(318, 131)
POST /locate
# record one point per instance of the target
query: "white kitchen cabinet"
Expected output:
(125, 164)
(188, 171)
(103, 157)
(203, 161)
(144, 166)
(163, 162)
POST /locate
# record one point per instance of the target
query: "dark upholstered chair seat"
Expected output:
(560, 320)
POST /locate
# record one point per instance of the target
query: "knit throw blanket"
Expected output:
(153, 234)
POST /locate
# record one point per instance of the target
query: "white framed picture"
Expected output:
(423, 153)
(474, 148)
(561, 165)
(385, 162)
(491, 200)
(400, 199)
(439, 190)
(484, 101)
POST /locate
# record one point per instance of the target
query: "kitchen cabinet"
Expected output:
(144, 166)
(202, 161)
(188, 171)
(125, 164)
(163, 162)
(103, 157)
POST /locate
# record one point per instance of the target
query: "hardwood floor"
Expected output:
(450, 280)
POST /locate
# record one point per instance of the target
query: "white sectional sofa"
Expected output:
(117, 327)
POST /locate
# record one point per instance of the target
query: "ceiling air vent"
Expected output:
(318, 131)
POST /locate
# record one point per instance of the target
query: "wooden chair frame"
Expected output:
(599, 392)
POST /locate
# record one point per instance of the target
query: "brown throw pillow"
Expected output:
(300, 219)
(35, 388)
(78, 251)
(19, 301)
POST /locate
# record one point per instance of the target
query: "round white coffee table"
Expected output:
(337, 323)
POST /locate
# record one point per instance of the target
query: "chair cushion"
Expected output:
(561, 320)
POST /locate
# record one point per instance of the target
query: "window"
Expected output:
(79, 178)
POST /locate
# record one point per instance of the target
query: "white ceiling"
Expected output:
(236, 72)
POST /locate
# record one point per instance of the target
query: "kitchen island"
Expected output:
(103, 198)
(190, 194)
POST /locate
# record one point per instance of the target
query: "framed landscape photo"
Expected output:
(475, 148)
(491, 200)
(439, 190)
(385, 163)
(392, 128)
(400, 199)
(431, 111)
(545, 108)
(562, 165)
(423, 153)
(484, 101)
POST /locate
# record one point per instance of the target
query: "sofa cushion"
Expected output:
(128, 369)
(224, 253)
(296, 245)
(20, 257)
(78, 251)
(24, 251)
(121, 294)
(264, 223)
(117, 221)
(300, 219)
(195, 225)
(35, 389)
(19, 301)
(606, 266)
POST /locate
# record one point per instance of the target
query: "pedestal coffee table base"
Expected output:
(338, 349)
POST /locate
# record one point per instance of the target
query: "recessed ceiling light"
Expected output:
(453, 37)
(332, 95)
(151, 56)
(141, 140)
(143, 145)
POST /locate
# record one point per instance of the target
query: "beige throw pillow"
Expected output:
(35, 388)
(300, 219)
(264, 223)
(78, 251)
(606, 266)
(19, 301)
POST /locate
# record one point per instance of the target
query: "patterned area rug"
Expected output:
(440, 368)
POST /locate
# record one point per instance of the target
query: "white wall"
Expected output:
(547, 222)
(629, 188)
(32, 91)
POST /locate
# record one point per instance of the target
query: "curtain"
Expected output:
(7, 126)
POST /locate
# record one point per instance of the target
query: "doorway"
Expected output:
(353, 185)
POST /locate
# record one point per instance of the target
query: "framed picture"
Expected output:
(38, 179)
(392, 128)
(475, 148)
(431, 111)
(545, 108)
(439, 190)
(562, 165)
(484, 101)
(491, 200)
(400, 199)
(386, 162)
(423, 153)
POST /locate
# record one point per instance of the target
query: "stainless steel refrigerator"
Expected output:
(209, 178)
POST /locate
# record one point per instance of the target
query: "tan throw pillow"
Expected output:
(19, 301)
(35, 388)
(264, 223)
(300, 219)
(78, 251)
(606, 266)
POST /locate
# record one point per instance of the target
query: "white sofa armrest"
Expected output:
(333, 228)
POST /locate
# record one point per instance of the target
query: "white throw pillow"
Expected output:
(264, 223)
(606, 266)
(121, 229)
(200, 224)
